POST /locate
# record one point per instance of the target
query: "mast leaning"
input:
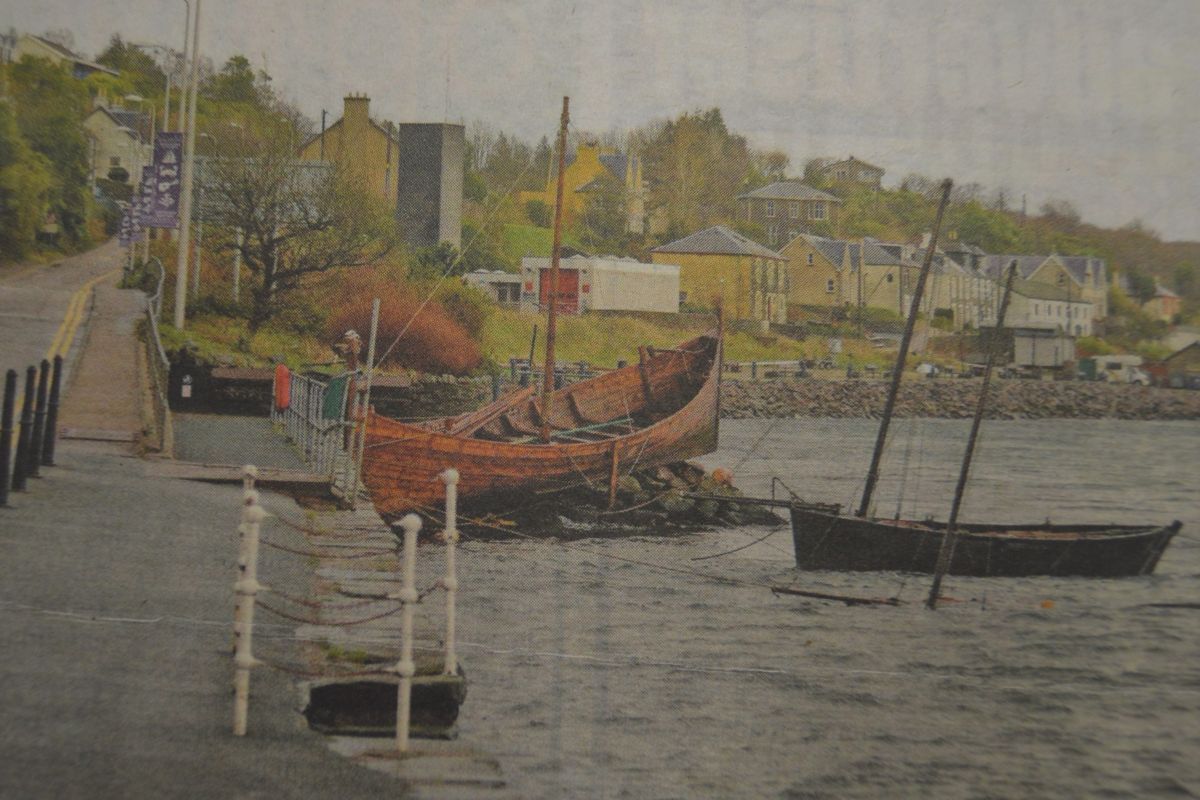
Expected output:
(898, 372)
(552, 289)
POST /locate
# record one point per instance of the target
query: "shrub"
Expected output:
(539, 213)
(432, 340)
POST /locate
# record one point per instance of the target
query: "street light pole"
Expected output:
(185, 210)
(183, 84)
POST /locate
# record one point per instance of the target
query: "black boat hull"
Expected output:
(825, 541)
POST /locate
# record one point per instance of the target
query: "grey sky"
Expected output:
(1089, 100)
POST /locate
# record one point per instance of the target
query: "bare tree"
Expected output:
(290, 219)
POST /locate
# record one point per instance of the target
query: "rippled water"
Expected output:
(595, 677)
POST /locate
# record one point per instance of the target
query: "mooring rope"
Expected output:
(315, 554)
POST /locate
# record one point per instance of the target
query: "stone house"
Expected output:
(717, 262)
(785, 209)
(1084, 277)
(119, 139)
(852, 170)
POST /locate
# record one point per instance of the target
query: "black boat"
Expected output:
(828, 541)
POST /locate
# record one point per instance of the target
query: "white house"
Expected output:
(601, 284)
(503, 287)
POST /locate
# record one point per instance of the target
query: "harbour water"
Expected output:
(614, 668)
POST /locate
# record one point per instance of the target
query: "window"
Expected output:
(829, 285)
(810, 259)
(794, 210)
(891, 278)
(816, 209)
(1036, 310)
(770, 208)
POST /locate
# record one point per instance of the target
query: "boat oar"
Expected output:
(841, 598)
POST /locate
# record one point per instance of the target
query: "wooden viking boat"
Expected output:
(829, 541)
(660, 410)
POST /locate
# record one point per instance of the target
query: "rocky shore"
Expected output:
(956, 398)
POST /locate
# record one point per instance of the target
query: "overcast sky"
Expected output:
(1087, 100)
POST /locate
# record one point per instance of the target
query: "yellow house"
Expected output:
(361, 144)
(817, 268)
(717, 262)
(590, 165)
(1083, 277)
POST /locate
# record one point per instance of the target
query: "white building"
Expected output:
(503, 287)
(1038, 305)
(601, 284)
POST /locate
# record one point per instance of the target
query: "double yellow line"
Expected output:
(70, 324)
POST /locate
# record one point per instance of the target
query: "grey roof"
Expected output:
(834, 249)
(853, 160)
(134, 120)
(789, 190)
(1044, 291)
(719, 240)
(71, 55)
(616, 163)
(994, 266)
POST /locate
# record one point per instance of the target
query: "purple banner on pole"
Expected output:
(146, 198)
(125, 236)
(168, 172)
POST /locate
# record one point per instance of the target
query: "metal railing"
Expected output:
(322, 438)
(159, 367)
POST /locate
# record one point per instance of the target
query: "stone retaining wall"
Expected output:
(955, 398)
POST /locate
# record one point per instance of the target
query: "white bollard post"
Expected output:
(246, 588)
(450, 580)
(249, 475)
(405, 668)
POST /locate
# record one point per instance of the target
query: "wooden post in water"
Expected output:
(552, 314)
(950, 537)
(405, 668)
(898, 372)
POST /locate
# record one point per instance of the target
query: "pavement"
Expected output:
(116, 601)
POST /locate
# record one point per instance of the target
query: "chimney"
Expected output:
(354, 111)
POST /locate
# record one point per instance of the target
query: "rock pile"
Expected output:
(652, 501)
(956, 398)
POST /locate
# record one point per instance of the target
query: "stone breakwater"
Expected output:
(954, 399)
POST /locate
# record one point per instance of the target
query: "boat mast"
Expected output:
(950, 538)
(552, 313)
(898, 372)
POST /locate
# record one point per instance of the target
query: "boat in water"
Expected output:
(830, 541)
(660, 410)
(826, 539)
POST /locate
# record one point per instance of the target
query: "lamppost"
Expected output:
(185, 210)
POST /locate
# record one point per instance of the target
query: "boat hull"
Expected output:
(402, 462)
(825, 541)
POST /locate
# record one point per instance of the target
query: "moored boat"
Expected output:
(660, 410)
(829, 541)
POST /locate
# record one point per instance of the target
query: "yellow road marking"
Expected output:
(74, 316)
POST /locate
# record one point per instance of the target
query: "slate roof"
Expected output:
(878, 254)
(70, 55)
(719, 240)
(853, 160)
(1044, 291)
(994, 265)
(137, 122)
(789, 190)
